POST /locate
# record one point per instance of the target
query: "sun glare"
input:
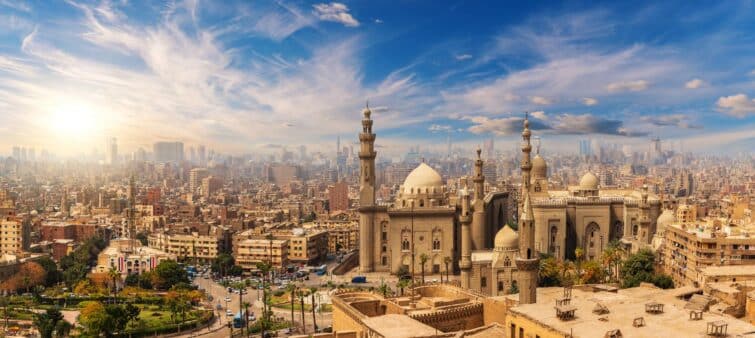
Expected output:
(72, 119)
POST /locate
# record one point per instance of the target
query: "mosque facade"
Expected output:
(452, 230)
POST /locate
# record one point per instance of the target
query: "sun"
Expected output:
(73, 119)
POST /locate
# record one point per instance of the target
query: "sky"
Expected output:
(255, 76)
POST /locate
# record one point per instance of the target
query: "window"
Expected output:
(507, 262)
(483, 282)
(385, 260)
(513, 330)
(521, 332)
(500, 286)
(405, 244)
(385, 236)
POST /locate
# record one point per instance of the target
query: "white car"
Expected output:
(227, 299)
(228, 313)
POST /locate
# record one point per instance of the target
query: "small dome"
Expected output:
(506, 238)
(423, 177)
(664, 220)
(589, 182)
(539, 167)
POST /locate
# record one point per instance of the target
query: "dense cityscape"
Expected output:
(155, 182)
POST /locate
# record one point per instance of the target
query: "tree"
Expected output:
(638, 268)
(550, 275)
(663, 281)
(291, 288)
(313, 291)
(178, 304)
(95, 319)
(301, 295)
(114, 276)
(47, 322)
(52, 274)
(423, 258)
(593, 272)
(579, 254)
(402, 272)
(121, 315)
(170, 273)
(222, 264)
(402, 283)
(384, 289)
(74, 274)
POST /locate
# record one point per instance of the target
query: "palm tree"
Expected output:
(246, 314)
(115, 276)
(291, 288)
(423, 258)
(270, 238)
(313, 291)
(579, 253)
(301, 295)
(403, 283)
(383, 289)
(447, 260)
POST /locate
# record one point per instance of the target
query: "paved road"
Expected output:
(219, 294)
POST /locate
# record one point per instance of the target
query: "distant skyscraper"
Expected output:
(202, 154)
(112, 150)
(338, 196)
(489, 149)
(17, 153)
(192, 155)
(168, 151)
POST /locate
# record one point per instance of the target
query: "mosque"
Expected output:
(454, 232)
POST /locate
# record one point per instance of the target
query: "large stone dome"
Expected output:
(506, 238)
(589, 182)
(423, 179)
(664, 220)
(539, 167)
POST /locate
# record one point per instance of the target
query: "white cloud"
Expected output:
(752, 72)
(463, 57)
(540, 100)
(378, 21)
(694, 84)
(634, 86)
(561, 124)
(589, 101)
(736, 105)
(438, 128)
(18, 5)
(335, 12)
(676, 120)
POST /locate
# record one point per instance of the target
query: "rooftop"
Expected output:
(624, 306)
(398, 326)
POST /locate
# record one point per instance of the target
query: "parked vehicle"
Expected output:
(359, 279)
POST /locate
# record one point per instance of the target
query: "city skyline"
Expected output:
(252, 77)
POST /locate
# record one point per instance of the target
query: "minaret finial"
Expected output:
(537, 145)
(479, 151)
(367, 104)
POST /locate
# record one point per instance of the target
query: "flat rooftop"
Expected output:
(729, 270)
(398, 326)
(624, 306)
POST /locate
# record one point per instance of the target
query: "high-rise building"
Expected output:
(338, 196)
(11, 237)
(168, 151)
(111, 145)
(210, 185)
(196, 176)
(202, 155)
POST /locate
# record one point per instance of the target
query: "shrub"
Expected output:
(278, 293)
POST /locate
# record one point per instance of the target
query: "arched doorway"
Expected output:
(593, 241)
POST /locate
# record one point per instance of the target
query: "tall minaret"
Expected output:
(367, 194)
(527, 263)
(466, 245)
(478, 205)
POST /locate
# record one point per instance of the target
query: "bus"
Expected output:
(239, 319)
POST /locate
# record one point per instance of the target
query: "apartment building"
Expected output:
(249, 252)
(189, 247)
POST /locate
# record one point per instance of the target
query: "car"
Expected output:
(229, 313)
(227, 299)
(219, 307)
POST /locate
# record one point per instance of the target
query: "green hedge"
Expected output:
(172, 328)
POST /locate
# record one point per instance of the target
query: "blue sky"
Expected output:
(249, 76)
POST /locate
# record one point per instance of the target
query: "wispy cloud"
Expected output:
(335, 12)
(18, 5)
(560, 124)
(589, 101)
(540, 100)
(633, 86)
(462, 57)
(675, 120)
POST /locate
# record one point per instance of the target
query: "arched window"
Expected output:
(436, 244)
(635, 230)
(421, 203)
(507, 262)
(385, 260)
(405, 244)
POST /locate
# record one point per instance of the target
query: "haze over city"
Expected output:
(249, 77)
(377, 169)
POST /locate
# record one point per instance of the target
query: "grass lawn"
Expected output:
(151, 316)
